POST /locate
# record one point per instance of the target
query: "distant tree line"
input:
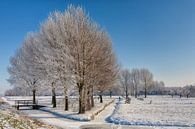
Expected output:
(140, 82)
(186, 91)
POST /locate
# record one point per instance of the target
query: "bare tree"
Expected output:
(136, 80)
(56, 57)
(85, 39)
(157, 88)
(179, 91)
(147, 79)
(187, 90)
(70, 50)
(125, 81)
(24, 68)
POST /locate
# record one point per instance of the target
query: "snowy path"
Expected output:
(64, 123)
(98, 123)
(51, 119)
(104, 114)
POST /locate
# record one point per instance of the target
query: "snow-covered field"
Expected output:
(154, 112)
(159, 111)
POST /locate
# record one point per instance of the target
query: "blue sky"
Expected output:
(157, 34)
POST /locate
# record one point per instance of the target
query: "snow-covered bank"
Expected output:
(12, 119)
(156, 111)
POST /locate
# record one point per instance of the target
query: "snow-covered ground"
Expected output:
(154, 112)
(159, 111)
(59, 110)
(11, 119)
(65, 119)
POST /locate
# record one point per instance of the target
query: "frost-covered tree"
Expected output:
(84, 38)
(136, 80)
(126, 82)
(157, 88)
(69, 51)
(55, 52)
(106, 68)
(147, 79)
(187, 90)
(24, 69)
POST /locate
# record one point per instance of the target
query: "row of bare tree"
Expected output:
(188, 91)
(132, 81)
(70, 52)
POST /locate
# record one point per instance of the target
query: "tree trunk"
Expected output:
(92, 99)
(88, 102)
(110, 94)
(126, 93)
(81, 99)
(81, 110)
(101, 99)
(145, 92)
(65, 100)
(66, 103)
(53, 98)
(135, 91)
(34, 98)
